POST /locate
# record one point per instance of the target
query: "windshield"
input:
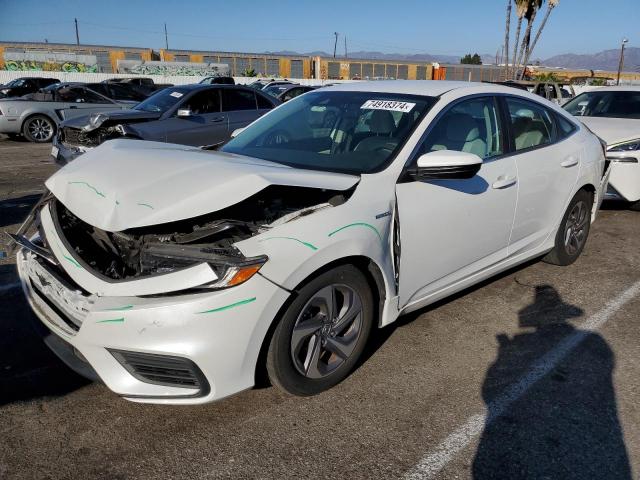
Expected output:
(18, 82)
(162, 100)
(349, 132)
(275, 90)
(614, 104)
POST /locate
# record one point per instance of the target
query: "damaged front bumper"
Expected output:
(63, 153)
(189, 348)
(153, 339)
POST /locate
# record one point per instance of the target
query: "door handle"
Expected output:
(504, 182)
(570, 162)
(217, 120)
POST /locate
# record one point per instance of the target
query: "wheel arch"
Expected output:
(366, 265)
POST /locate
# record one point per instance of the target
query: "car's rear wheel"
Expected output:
(574, 230)
(38, 129)
(323, 333)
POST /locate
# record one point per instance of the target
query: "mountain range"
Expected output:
(605, 60)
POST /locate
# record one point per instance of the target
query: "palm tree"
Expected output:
(550, 6)
(506, 40)
(521, 9)
(532, 10)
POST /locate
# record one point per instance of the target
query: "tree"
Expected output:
(532, 10)
(521, 10)
(469, 59)
(249, 72)
(506, 39)
(550, 6)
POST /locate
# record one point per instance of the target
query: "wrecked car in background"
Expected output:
(197, 115)
(36, 116)
(177, 275)
(24, 85)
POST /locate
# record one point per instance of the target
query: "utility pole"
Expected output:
(621, 64)
(166, 38)
(77, 35)
(345, 47)
(335, 44)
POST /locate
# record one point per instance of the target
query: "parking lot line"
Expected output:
(462, 436)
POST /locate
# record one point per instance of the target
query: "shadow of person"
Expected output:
(565, 425)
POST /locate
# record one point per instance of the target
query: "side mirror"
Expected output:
(237, 132)
(184, 112)
(446, 164)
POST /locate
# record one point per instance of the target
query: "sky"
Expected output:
(451, 27)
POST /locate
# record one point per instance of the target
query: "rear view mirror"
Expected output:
(184, 112)
(446, 164)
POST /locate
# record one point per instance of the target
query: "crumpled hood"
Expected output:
(613, 130)
(126, 183)
(96, 120)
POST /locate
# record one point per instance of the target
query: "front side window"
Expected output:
(531, 124)
(79, 95)
(207, 101)
(350, 132)
(471, 126)
(617, 104)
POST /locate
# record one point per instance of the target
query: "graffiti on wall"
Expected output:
(174, 68)
(49, 62)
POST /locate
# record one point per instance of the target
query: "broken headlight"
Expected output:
(231, 270)
(626, 146)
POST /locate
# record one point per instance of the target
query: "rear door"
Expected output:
(241, 107)
(207, 125)
(548, 165)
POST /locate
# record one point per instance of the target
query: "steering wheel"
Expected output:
(277, 137)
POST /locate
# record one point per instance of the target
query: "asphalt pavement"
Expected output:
(533, 374)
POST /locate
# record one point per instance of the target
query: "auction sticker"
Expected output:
(176, 94)
(391, 105)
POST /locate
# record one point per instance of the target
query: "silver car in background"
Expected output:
(36, 116)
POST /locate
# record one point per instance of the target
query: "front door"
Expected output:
(206, 125)
(450, 229)
(240, 106)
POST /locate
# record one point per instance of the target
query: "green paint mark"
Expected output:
(358, 224)
(118, 309)
(71, 260)
(98, 192)
(227, 307)
(112, 320)
(145, 205)
(306, 244)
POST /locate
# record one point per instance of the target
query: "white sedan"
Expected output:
(613, 113)
(177, 275)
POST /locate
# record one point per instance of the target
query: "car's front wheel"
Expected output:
(574, 230)
(38, 129)
(322, 333)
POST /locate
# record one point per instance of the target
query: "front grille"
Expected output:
(163, 370)
(70, 136)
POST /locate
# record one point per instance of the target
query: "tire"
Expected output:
(573, 231)
(308, 363)
(38, 129)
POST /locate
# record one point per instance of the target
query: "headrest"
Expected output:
(462, 128)
(381, 122)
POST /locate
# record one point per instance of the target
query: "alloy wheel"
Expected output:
(40, 129)
(576, 227)
(326, 331)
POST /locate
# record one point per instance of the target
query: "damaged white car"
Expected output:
(176, 275)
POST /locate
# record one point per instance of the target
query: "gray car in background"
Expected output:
(198, 115)
(36, 116)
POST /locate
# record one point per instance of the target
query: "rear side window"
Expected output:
(531, 124)
(238, 100)
(565, 127)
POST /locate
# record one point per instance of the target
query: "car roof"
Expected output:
(204, 86)
(621, 88)
(429, 88)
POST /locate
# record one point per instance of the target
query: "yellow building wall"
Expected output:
(114, 56)
(195, 58)
(285, 67)
(412, 72)
(1, 58)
